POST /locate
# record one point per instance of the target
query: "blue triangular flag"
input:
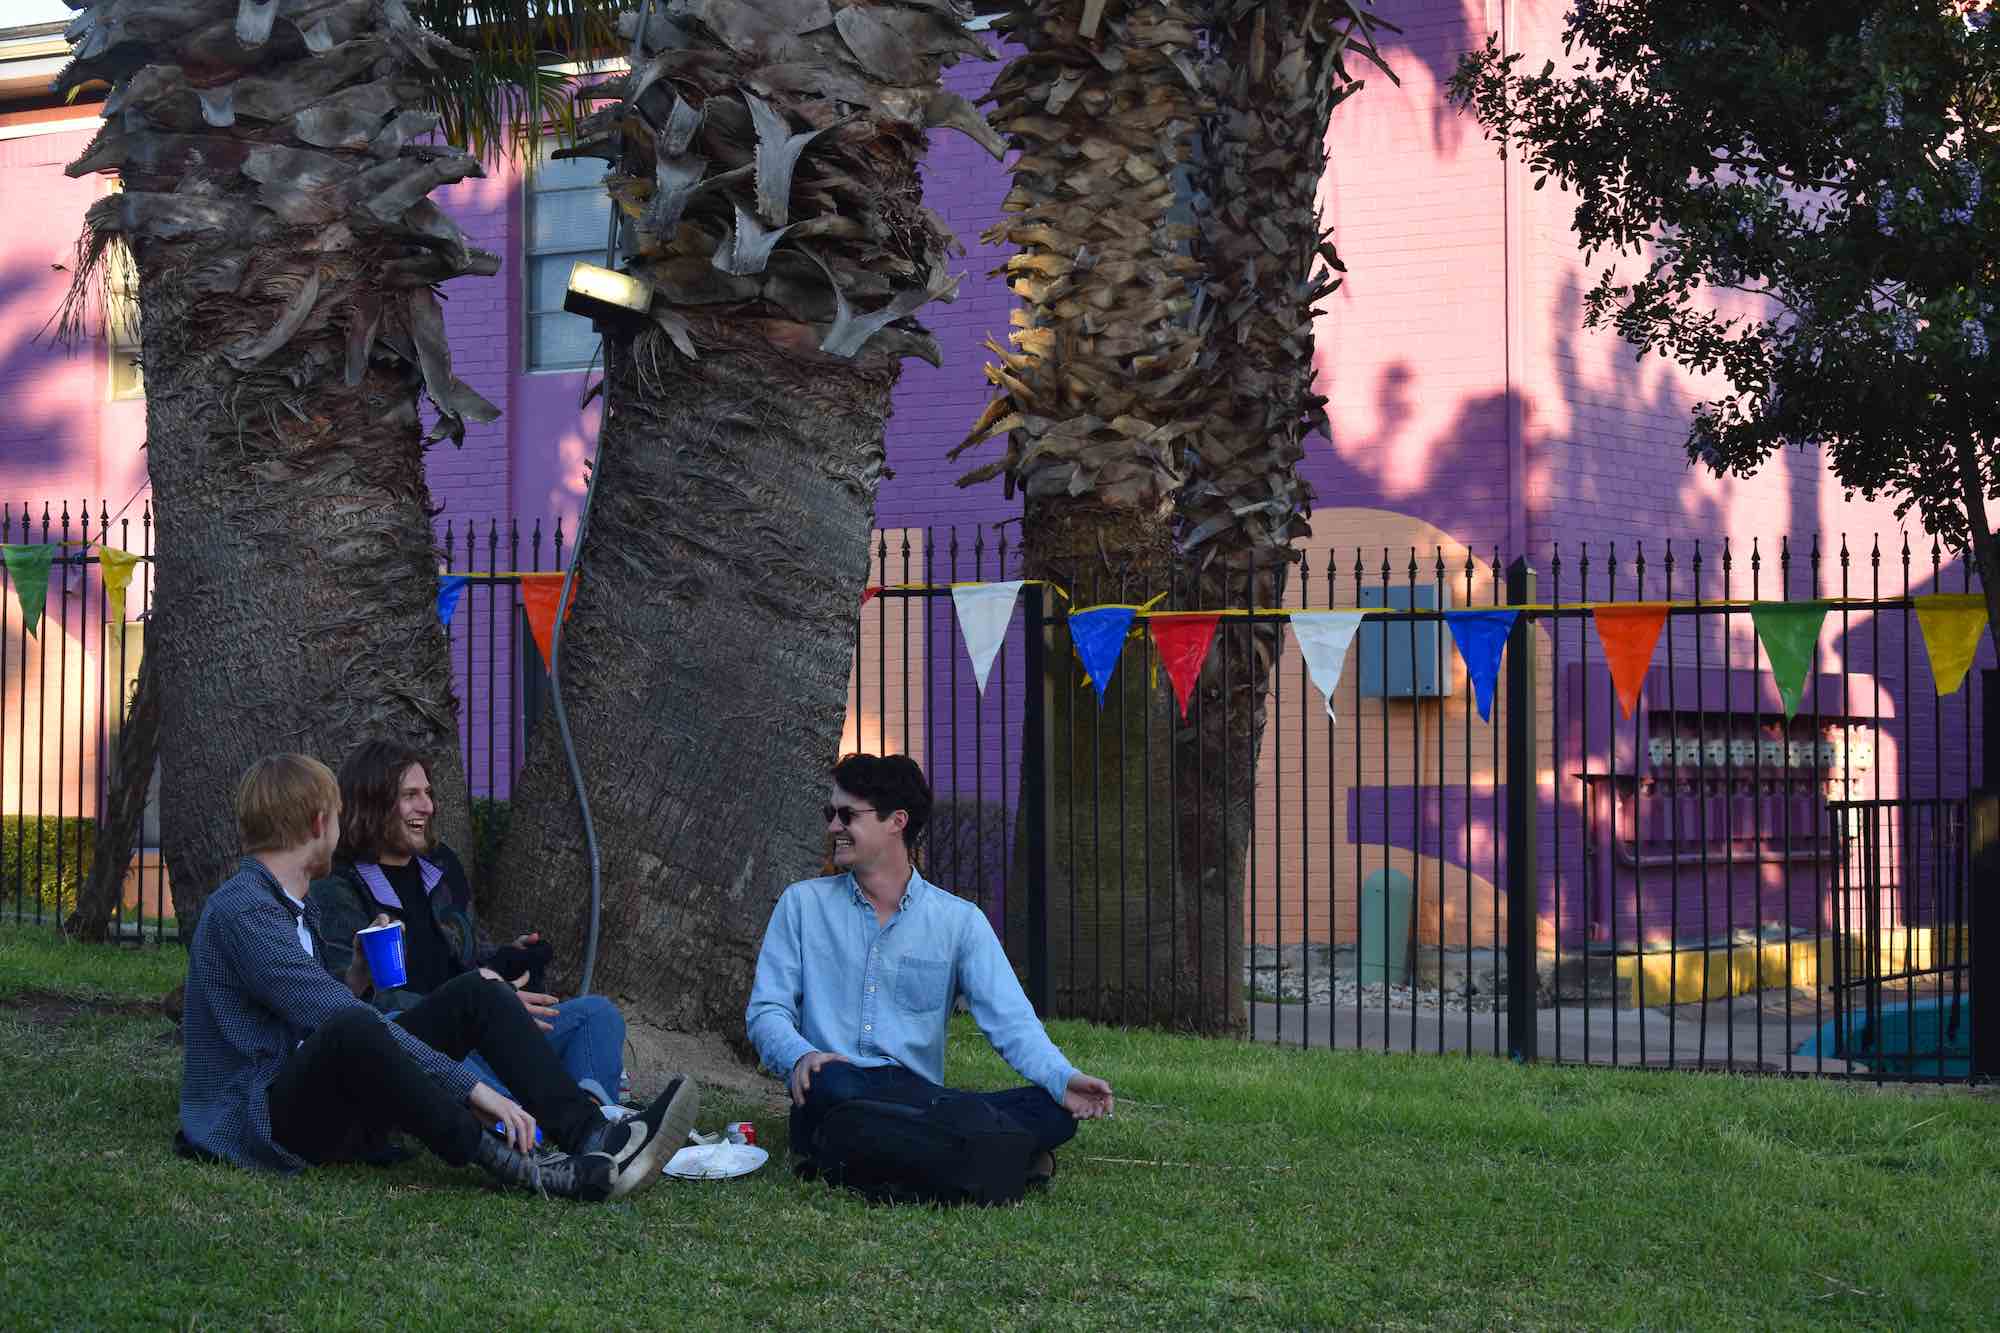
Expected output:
(1481, 637)
(451, 587)
(1099, 636)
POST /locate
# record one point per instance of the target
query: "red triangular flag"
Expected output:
(1629, 635)
(538, 598)
(1183, 643)
(869, 593)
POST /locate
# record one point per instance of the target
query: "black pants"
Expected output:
(351, 1080)
(1033, 1109)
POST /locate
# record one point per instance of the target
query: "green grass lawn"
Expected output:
(1238, 1186)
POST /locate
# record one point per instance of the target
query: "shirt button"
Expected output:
(867, 1027)
(871, 990)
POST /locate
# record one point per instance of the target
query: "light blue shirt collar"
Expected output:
(911, 891)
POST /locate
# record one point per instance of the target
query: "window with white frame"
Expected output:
(121, 321)
(568, 213)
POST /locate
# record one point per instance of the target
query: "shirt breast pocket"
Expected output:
(922, 985)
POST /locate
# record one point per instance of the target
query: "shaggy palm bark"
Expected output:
(1278, 72)
(766, 158)
(1170, 434)
(1098, 396)
(275, 204)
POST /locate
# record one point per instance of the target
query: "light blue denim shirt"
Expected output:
(830, 979)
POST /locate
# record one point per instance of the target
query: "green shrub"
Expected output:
(31, 850)
(489, 827)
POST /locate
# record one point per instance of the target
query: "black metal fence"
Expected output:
(1689, 885)
(1706, 882)
(63, 693)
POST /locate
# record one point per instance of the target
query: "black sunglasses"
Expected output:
(846, 813)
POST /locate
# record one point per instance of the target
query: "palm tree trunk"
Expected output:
(1118, 935)
(275, 206)
(1098, 397)
(704, 667)
(1278, 73)
(1130, 407)
(765, 156)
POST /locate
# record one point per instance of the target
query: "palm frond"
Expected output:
(499, 105)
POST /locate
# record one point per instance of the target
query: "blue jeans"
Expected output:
(589, 1042)
(1031, 1108)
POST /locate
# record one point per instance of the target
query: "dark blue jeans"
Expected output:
(588, 1037)
(1031, 1108)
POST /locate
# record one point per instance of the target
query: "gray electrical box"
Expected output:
(1403, 659)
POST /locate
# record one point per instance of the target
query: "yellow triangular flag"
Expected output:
(1952, 622)
(117, 566)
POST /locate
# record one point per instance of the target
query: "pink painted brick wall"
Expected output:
(59, 436)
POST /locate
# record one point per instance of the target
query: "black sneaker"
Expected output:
(586, 1177)
(640, 1145)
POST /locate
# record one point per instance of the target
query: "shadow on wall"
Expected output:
(1424, 55)
(52, 394)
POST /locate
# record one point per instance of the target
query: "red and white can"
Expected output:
(741, 1131)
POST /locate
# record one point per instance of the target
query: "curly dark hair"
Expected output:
(371, 778)
(889, 782)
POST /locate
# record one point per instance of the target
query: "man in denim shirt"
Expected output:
(858, 970)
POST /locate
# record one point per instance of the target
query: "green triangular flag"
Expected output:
(1788, 631)
(28, 567)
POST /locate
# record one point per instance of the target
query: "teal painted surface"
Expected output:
(1932, 1036)
(1387, 899)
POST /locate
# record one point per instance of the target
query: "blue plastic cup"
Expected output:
(383, 947)
(500, 1128)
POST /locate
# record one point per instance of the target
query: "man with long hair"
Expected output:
(285, 1067)
(390, 861)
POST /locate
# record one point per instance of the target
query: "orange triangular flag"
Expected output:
(1183, 643)
(870, 593)
(538, 598)
(1629, 634)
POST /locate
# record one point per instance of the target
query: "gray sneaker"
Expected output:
(585, 1177)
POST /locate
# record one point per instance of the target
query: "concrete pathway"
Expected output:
(1749, 1033)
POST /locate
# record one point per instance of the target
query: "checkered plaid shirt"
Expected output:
(252, 996)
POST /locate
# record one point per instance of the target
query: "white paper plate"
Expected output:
(715, 1161)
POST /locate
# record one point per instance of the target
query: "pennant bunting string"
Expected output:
(1788, 631)
(1629, 635)
(28, 567)
(538, 599)
(117, 566)
(1324, 638)
(984, 612)
(1183, 643)
(1098, 634)
(1481, 637)
(451, 587)
(1952, 625)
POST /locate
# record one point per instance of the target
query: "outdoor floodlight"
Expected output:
(616, 302)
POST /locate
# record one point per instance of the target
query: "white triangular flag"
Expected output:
(983, 612)
(1324, 638)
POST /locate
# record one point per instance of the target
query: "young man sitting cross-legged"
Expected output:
(286, 1067)
(856, 977)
